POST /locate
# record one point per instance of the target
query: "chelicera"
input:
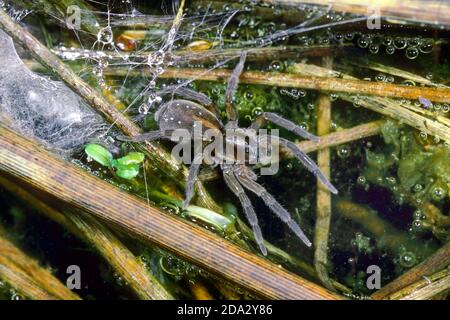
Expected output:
(238, 176)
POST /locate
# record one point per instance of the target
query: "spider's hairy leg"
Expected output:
(192, 177)
(284, 123)
(236, 188)
(308, 163)
(272, 203)
(187, 93)
(232, 86)
(148, 136)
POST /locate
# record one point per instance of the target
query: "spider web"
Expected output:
(158, 51)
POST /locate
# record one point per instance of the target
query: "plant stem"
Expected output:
(14, 260)
(123, 261)
(438, 260)
(425, 288)
(115, 253)
(297, 81)
(344, 136)
(323, 198)
(183, 57)
(432, 12)
(434, 126)
(21, 282)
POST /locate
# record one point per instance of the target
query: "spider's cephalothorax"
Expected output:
(184, 114)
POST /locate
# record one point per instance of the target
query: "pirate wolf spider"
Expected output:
(239, 176)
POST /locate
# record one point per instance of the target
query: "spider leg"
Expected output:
(273, 204)
(236, 188)
(308, 163)
(192, 177)
(188, 94)
(232, 86)
(284, 123)
(148, 136)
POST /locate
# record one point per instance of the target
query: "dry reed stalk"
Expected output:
(14, 260)
(79, 189)
(323, 198)
(123, 261)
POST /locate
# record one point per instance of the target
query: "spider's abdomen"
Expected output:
(184, 114)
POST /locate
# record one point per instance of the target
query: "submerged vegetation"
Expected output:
(378, 98)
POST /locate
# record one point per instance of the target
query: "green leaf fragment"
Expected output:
(99, 154)
(128, 172)
(131, 158)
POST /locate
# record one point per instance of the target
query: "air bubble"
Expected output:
(143, 109)
(426, 46)
(388, 41)
(349, 36)
(414, 42)
(374, 48)
(390, 50)
(363, 42)
(438, 193)
(257, 111)
(380, 77)
(276, 65)
(407, 260)
(412, 53)
(361, 180)
(105, 35)
(400, 43)
(343, 152)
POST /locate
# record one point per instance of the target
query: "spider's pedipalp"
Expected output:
(236, 188)
(192, 177)
(274, 205)
(308, 163)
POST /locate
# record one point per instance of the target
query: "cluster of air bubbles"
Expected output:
(293, 93)
(384, 78)
(16, 14)
(373, 42)
(177, 268)
(417, 226)
(119, 280)
(102, 64)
